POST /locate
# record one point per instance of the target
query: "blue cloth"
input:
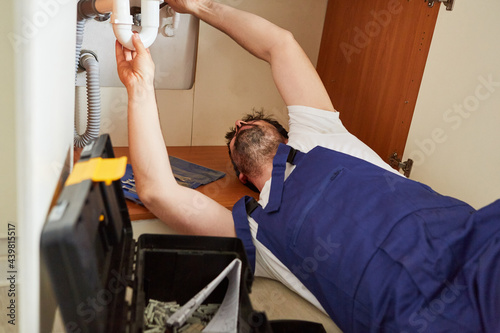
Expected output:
(380, 252)
(186, 174)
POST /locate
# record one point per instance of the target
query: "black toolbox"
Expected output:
(103, 279)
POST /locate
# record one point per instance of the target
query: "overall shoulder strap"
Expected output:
(284, 154)
(293, 156)
(242, 228)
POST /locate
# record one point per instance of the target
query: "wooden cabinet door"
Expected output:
(371, 60)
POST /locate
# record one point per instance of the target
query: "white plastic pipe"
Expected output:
(104, 6)
(169, 30)
(176, 17)
(122, 22)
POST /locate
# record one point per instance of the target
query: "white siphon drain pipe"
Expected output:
(122, 20)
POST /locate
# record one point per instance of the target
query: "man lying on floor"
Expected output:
(374, 250)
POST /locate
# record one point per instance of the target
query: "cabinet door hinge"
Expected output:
(406, 166)
(448, 3)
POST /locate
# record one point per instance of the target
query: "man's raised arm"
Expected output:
(185, 210)
(293, 73)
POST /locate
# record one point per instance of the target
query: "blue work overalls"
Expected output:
(380, 252)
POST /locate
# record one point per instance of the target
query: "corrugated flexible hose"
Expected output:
(88, 61)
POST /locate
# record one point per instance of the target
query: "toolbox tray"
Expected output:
(103, 279)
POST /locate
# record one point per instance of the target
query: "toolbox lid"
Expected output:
(86, 243)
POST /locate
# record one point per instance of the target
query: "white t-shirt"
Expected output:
(309, 127)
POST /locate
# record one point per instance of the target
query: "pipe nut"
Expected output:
(86, 55)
